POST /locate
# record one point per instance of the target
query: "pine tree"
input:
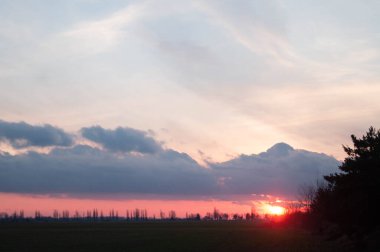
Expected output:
(350, 198)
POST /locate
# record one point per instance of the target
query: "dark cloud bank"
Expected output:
(133, 162)
(21, 135)
(122, 139)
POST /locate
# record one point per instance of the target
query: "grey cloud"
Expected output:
(122, 139)
(83, 169)
(86, 170)
(21, 135)
(281, 170)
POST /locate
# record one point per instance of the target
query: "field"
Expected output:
(156, 236)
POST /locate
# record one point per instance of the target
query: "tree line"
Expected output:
(129, 215)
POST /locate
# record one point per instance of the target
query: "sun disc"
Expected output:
(276, 210)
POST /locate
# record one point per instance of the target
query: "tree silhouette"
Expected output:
(172, 215)
(350, 197)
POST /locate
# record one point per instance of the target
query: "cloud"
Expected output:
(251, 26)
(248, 64)
(116, 169)
(84, 169)
(21, 135)
(98, 36)
(281, 170)
(122, 139)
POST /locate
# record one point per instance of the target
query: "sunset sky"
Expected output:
(172, 104)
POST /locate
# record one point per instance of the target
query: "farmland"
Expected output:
(156, 236)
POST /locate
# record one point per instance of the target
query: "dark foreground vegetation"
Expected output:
(157, 236)
(345, 207)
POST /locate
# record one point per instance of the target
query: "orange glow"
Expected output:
(276, 210)
(46, 204)
(29, 203)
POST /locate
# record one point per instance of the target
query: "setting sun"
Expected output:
(276, 210)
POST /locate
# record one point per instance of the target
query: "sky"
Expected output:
(182, 99)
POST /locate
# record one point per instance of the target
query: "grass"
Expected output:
(156, 236)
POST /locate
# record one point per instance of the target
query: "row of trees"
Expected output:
(136, 214)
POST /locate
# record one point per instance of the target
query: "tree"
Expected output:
(306, 195)
(162, 215)
(350, 197)
(172, 215)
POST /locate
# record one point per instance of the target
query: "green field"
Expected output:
(156, 236)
